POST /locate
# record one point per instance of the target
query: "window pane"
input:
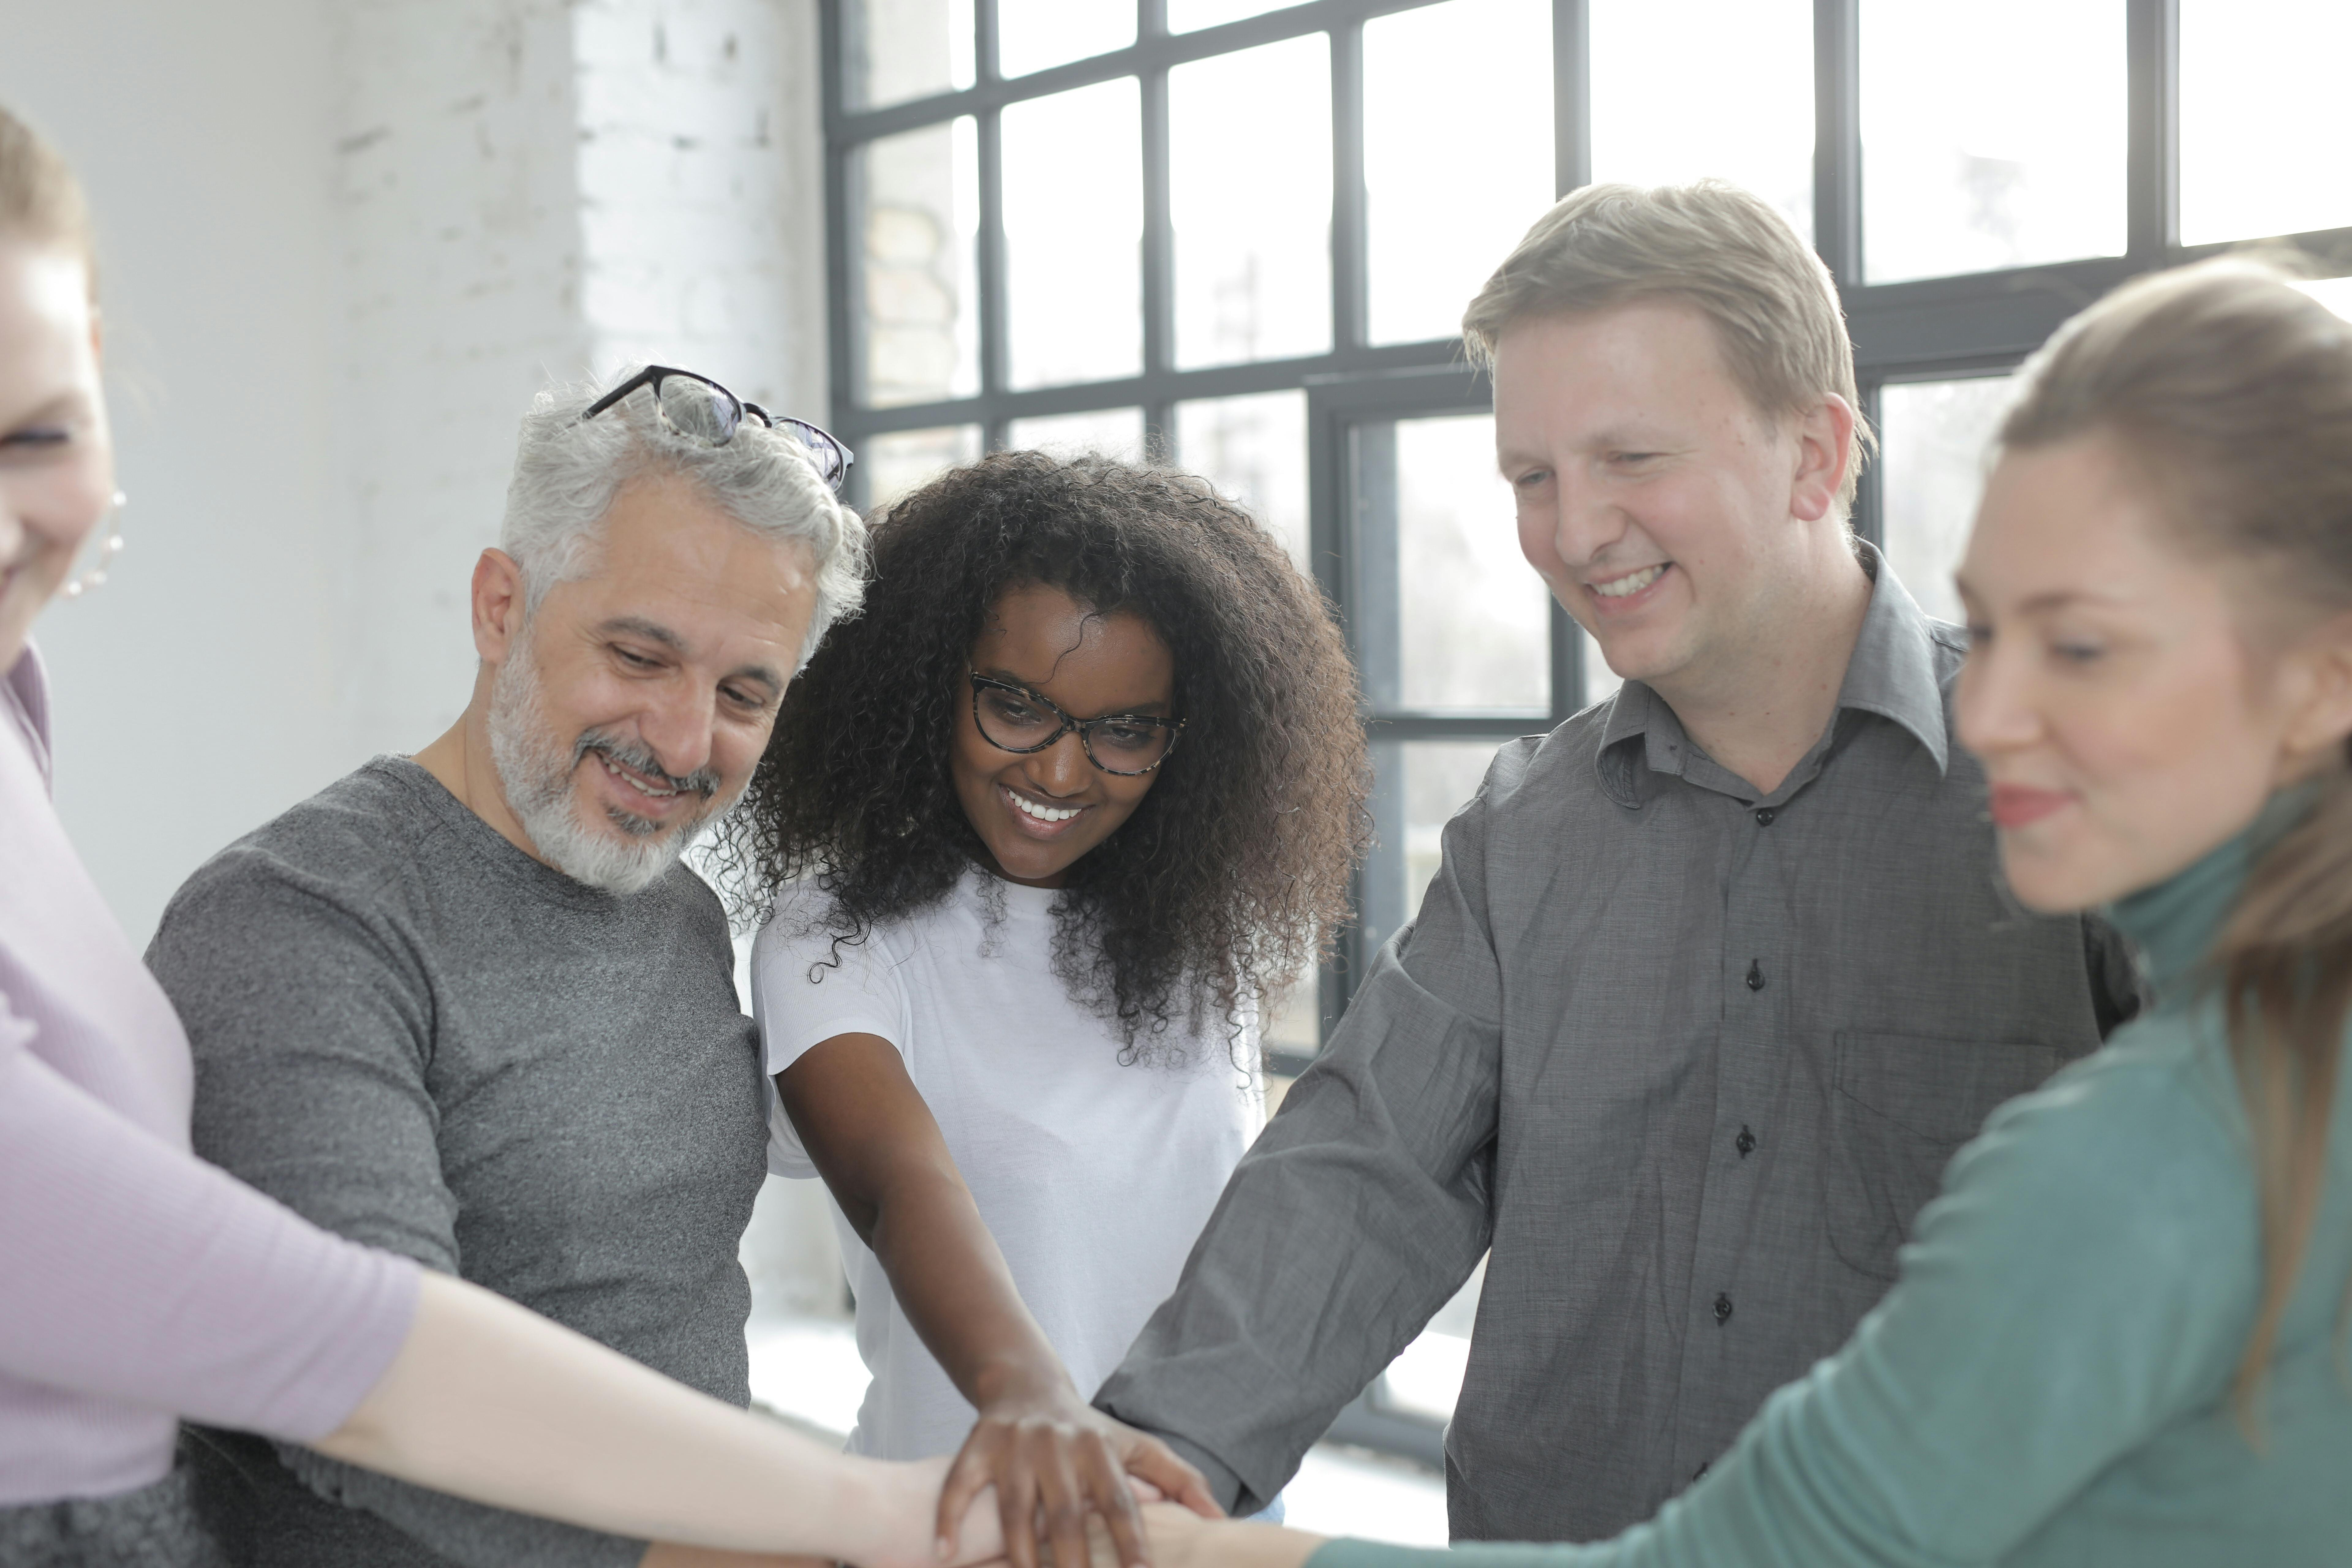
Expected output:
(1600, 682)
(1935, 436)
(2262, 149)
(2336, 293)
(1417, 786)
(1292, 1026)
(922, 217)
(1113, 432)
(1458, 154)
(1074, 235)
(1979, 152)
(1191, 16)
(1426, 1380)
(903, 459)
(1034, 33)
(1254, 450)
(900, 49)
(1439, 560)
(1249, 169)
(1736, 102)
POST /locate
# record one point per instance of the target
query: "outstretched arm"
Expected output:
(1037, 1441)
(1357, 1214)
(488, 1401)
(2082, 1285)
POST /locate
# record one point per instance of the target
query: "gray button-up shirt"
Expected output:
(1688, 1058)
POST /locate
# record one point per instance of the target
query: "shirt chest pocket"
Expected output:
(1900, 1107)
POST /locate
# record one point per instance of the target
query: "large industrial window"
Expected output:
(1241, 236)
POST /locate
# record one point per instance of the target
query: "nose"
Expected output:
(1585, 520)
(678, 725)
(1994, 704)
(1061, 769)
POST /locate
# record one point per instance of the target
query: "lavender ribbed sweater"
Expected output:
(137, 1283)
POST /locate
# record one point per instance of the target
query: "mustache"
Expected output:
(639, 759)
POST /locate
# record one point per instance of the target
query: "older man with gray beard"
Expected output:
(468, 1006)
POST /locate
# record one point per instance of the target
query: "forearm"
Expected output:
(951, 1280)
(488, 1401)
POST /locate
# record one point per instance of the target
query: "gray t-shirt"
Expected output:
(414, 1034)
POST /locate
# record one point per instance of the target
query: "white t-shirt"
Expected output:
(1094, 1177)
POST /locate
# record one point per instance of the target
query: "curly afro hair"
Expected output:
(1233, 873)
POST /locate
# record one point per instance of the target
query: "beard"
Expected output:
(540, 774)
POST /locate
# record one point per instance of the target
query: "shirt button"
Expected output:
(1745, 1142)
(1764, 817)
(1723, 1308)
(1755, 974)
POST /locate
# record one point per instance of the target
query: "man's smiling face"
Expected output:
(1653, 496)
(633, 705)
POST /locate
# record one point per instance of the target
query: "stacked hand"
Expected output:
(1056, 1462)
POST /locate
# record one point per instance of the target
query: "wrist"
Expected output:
(888, 1510)
(1024, 1380)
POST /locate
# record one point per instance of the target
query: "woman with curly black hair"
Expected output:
(1045, 832)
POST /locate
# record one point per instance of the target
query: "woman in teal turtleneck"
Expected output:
(2118, 1336)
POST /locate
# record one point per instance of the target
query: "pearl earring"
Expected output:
(107, 551)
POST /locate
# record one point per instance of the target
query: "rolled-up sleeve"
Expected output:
(1357, 1214)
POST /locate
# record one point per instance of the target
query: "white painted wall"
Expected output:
(196, 693)
(344, 241)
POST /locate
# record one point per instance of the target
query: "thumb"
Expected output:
(1155, 1463)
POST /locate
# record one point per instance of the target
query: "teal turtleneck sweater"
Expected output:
(2048, 1382)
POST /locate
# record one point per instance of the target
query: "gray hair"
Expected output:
(567, 472)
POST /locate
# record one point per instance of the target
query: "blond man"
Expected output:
(1713, 978)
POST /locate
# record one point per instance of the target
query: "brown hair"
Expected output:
(1710, 243)
(40, 200)
(2231, 392)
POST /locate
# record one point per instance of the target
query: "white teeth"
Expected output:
(1633, 582)
(1042, 813)
(632, 781)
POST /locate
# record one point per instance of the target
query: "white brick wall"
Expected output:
(538, 189)
(346, 241)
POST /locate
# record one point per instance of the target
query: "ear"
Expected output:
(2319, 718)
(499, 604)
(1824, 447)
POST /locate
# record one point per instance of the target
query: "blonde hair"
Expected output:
(1711, 245)
(2230, 392)
(40, 200)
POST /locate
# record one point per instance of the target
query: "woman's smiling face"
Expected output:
(57, 459)
(1038, 812)
(2134, 704)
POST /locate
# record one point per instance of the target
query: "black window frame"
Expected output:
(1977, 324)
(1935, 329)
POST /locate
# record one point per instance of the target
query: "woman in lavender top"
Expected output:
(138, 1284)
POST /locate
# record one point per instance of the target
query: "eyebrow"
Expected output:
(655, 632)
(1138, 710)
(64, 405)
(2040, 604)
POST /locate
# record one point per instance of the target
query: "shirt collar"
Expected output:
(1892, 670)
(1892, 674)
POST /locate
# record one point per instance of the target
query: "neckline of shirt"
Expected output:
(984, 887)
(501, 854)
